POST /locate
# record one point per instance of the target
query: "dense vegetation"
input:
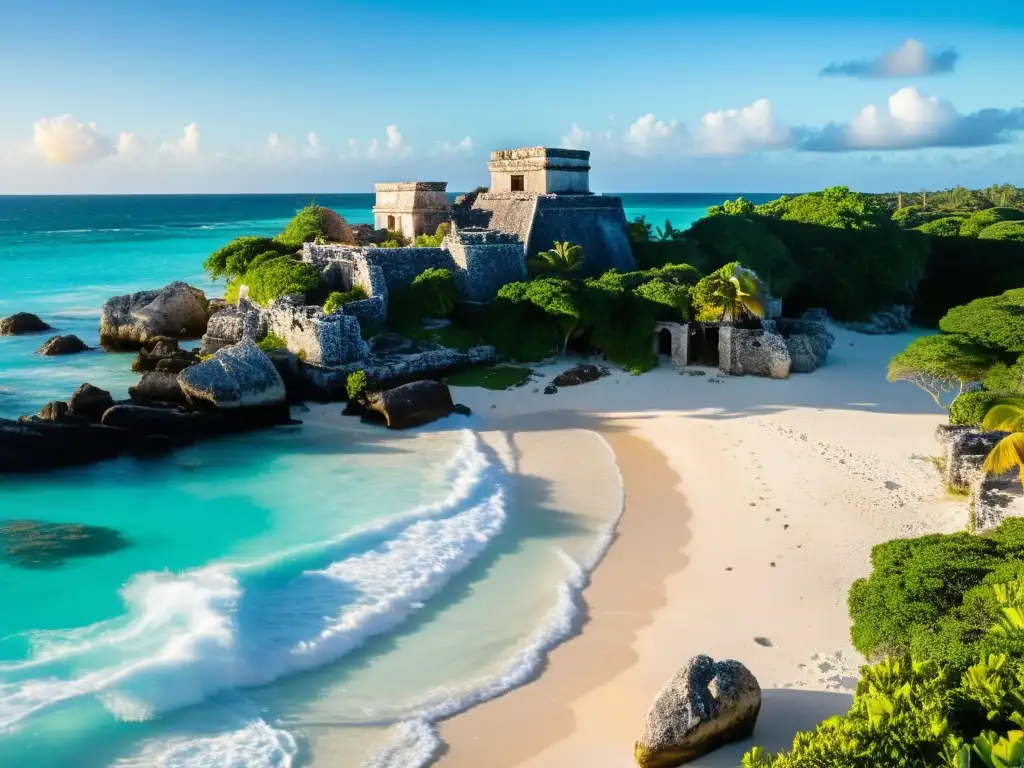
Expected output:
(338, 299)
(947, 612)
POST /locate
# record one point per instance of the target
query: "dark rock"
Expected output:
(287, 365)
(239, 376)
(90, 402)
(37, 445)
(157, 387)
(550, 389)
(22, 322)
(413, 404)
(175, 365)
(707, 704)
(579, 374)
(163, 355)
(893, 320)
(63, 345)
(384, 343)
(151, 420)
(177, 310)
(462, 410)
(35, 544)
(56, 410)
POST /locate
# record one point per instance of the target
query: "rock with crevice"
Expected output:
(177, 311)
(706, 705)
(239, 376)
(90, 402)
(68, 344)
(157, 387)
(22, 322)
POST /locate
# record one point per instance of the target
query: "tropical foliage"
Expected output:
(1006, 415)
(434, 240)
(970, 408)
(729, 292)
(282, 276)
(563, 258)
(941, 365)
(435, 292)
(356, 385)
(315, 224)
(234, 258)
(337, 299)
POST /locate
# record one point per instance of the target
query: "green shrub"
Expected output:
(1004, 230)
(947, 226)
(435, 291)
(282, 276)
(394, 239)
(639, 230)
(970, 408)
(272, 342)
(929, 597)
(906, 216)
(234, 258)
(337, 299)
(434, 240)
(1003, 377)
(314, 224)
(658, 253)
(731, 238)
(996, 322)
(356, 385)
(668, 301)
(979, 221)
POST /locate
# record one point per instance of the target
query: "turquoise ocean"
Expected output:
(300, 592)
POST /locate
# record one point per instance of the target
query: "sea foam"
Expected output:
(186, 637)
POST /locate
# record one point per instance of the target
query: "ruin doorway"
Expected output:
(703, 347)
(391, 223)
(518, 183)
(665, 342)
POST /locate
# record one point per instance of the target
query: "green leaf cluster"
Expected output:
(434, 240)
(970, 408)
(315, 224)
(995, 322)
(235, 258)
(976, 223)
(356, 385)
(282, 276)
(272, 342)
(337, 299)
(435, 292)
(944, 226)
(1004, 230)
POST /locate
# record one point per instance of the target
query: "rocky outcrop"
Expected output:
(177, 311)
(56, 410)
(239, 376)
(808, 341)
(231, 324)
(90, 402)
(747, 352)
(37, 544)
(164, 355)
(22, 322)
(579, 374)
(394, 369)
(157, 387)
(412, 404)
(707, 704)
(892, 320)
(316, 337)
(63, 345)
(389, 343)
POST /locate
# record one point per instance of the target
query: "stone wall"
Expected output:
(486, 259)
(411, 207)
(402, 265)
(544, 170)
(745, 352)
(992, 498)
(317, 338)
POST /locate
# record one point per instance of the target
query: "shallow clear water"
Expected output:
(283, 596)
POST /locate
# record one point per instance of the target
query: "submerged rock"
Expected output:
(412, 404)
(35, 544)
(579, 374)
(707, 704)
(238, 376)
(22, 322)
(177, 310)
(90, 402)
(63, 345)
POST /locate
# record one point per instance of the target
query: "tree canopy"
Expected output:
(941, 364)
(996, 322)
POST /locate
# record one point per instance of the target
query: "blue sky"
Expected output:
(112, 96)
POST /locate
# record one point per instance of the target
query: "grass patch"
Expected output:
(489, 377)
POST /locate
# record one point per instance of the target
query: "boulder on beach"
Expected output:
(412, 404)
(63, 345)
(707, 704)
(579, 374)
(238, 376)
(35, 544)
(22, 322)
(163, 354)
(90, 402)
(177, 310)
(157, 387)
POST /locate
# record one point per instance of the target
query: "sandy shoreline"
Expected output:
(751, 505)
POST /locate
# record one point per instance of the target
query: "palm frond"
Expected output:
(1008, 454)
(1005, 414)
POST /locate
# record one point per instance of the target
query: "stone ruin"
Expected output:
(992, 498)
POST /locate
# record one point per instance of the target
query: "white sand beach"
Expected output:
(751, 506)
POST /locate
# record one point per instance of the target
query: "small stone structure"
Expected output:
(672, 339)
(411, 207)
(992, 498)
(756, 352)
(540, 171)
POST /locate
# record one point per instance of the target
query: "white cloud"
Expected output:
(738, 131)
(313, 148)
(62, 141)
(909, 60)
(130, 144)
(576, 138)
(188, 144)
(464, 147)
(393, 147)
(910, 120)
(649, 135)
(273, 142)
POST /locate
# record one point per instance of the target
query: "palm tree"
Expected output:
(564, 257)
(1006, 414)
(736, 290)
(669, 232)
